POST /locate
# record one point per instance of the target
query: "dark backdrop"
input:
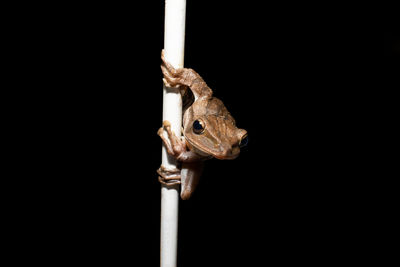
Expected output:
(287, 76)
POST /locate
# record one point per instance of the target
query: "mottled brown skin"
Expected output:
(218, 137)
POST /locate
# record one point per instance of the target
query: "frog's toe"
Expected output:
(169, 176)
(166, 123)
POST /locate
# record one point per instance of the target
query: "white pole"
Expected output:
(174, 41)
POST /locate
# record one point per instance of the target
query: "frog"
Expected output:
(208, 130)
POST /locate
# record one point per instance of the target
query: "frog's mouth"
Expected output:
(223, 154)
(228, 154)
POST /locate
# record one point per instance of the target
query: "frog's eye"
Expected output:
(243, 141)
(198, 126)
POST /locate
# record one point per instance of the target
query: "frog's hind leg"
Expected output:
(186, 77)
(190, 176)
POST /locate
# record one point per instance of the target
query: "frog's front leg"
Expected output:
(188, 177)
(175, 146)
(191, 163)
(169, 177)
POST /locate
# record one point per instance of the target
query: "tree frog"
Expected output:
(209, 130)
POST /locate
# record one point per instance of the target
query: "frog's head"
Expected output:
(211, 131)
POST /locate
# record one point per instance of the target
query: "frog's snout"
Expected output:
(229, 153)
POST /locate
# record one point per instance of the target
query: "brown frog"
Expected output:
(209, 130)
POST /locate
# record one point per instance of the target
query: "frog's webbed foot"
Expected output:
(169, 177)
(173, 144)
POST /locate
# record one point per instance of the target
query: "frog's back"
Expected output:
(204, 107)
(213, 106)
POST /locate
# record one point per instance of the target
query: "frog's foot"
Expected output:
(169, 176)
(172, 77)
(175, 146)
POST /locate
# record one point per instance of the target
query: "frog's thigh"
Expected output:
(190, 176)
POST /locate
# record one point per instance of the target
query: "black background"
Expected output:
(285, 73)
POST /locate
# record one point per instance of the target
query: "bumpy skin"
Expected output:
(219, 138)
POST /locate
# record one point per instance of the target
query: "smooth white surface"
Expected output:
(174, 41)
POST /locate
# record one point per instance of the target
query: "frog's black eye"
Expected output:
(243, 142)
(198, 127)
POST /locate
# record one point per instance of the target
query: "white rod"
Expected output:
(174, 41)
